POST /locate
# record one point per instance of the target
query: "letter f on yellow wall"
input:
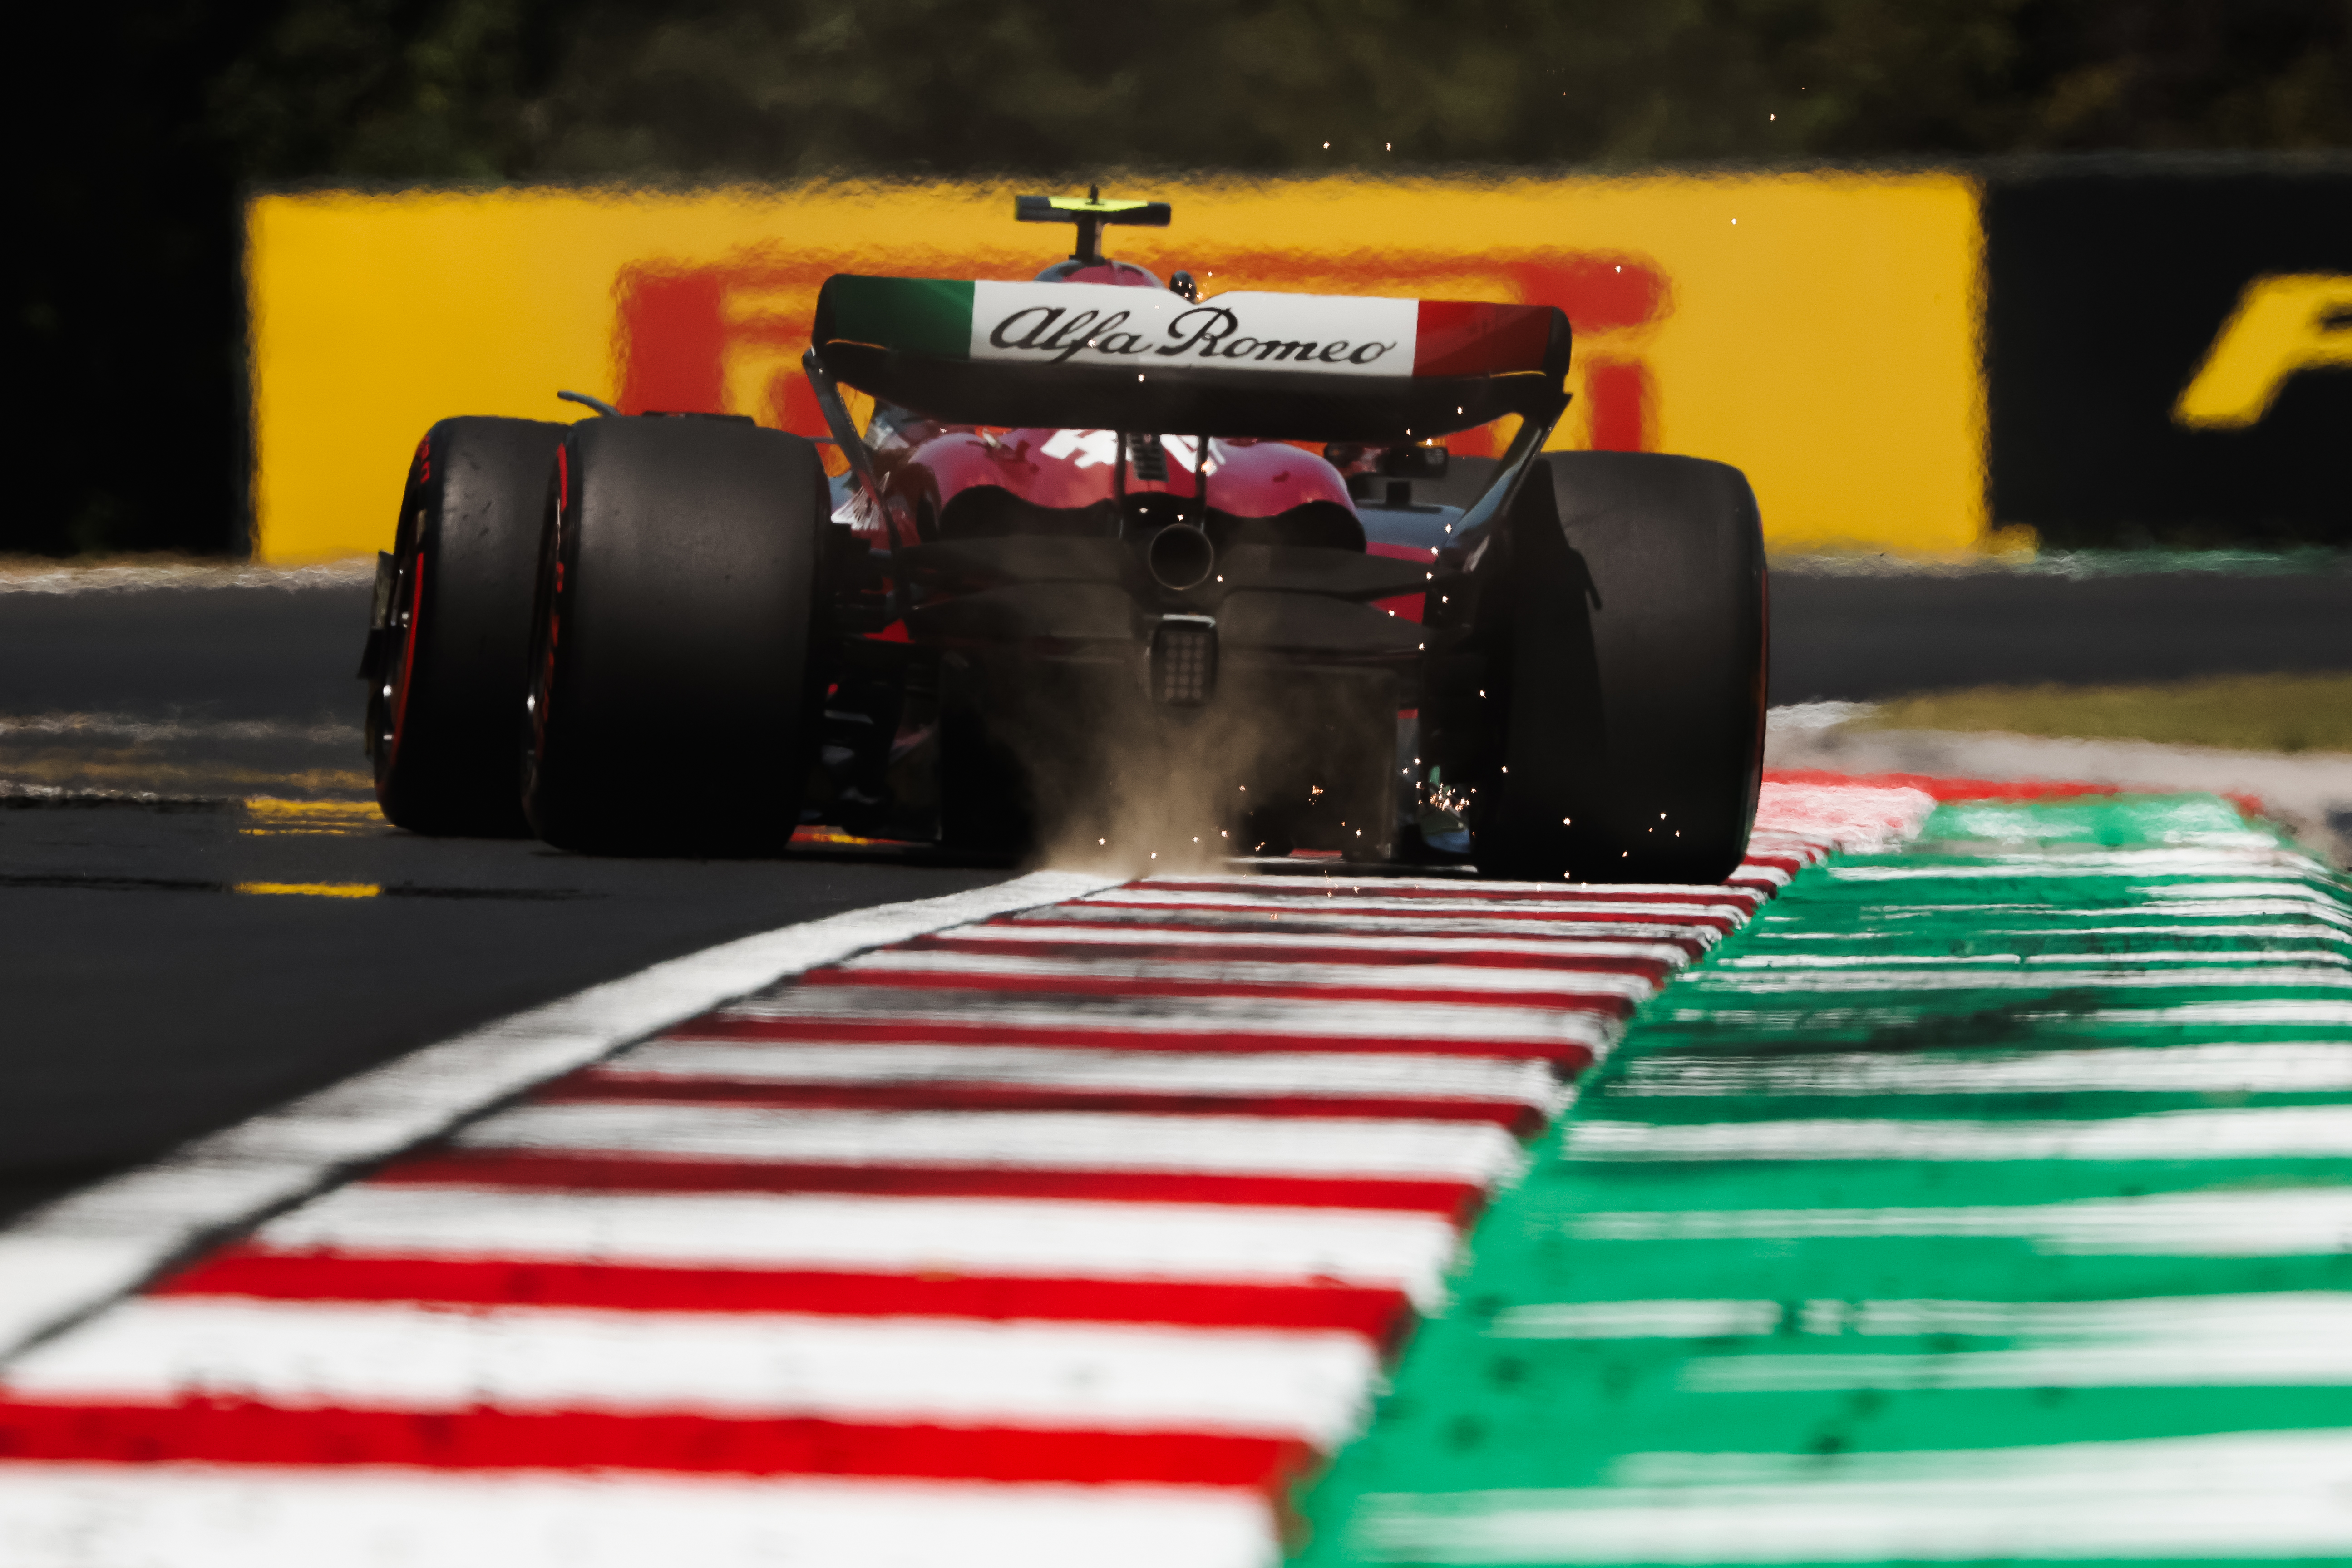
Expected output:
(2282, 324)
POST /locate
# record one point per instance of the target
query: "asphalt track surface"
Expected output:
(266, 653)
(1860, 637)
(149, 1002)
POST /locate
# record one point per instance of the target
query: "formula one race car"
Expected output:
(1083, 583)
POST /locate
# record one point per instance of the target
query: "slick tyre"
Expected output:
(448, 653)
(1628, 632)
(672, 644)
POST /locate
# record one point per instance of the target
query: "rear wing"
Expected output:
(1306, 367)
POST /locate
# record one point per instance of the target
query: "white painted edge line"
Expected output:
(75, 1255)
(136, 577)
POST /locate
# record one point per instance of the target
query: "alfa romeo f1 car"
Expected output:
(1103, 538)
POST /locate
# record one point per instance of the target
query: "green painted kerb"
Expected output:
(913, 315)
(1986, 1201)
(2119, 819)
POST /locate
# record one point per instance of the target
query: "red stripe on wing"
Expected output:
(1460, 337)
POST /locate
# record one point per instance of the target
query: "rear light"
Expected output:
(1184, 661)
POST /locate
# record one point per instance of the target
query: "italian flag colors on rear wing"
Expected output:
(1306, 365)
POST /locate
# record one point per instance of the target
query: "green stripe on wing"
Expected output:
(912, 315)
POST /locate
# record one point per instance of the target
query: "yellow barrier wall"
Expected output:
(1819, 331)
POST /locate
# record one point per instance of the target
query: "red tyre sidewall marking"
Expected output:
(546, 693)
(408, 647)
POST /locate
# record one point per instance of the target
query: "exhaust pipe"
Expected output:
(1180, 556)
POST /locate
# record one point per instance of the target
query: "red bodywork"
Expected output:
(931, 464)
(925, 465)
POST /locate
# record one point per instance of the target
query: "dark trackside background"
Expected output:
(2106, 282)
(139, 124)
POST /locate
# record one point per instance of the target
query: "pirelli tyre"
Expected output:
(1625, 627)
(448, 647)
(672, 664)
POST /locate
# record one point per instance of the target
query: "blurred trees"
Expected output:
(520, 89)
(150, 116)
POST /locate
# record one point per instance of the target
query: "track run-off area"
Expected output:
(1964, 1181)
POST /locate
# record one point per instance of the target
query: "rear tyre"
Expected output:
(1626, 628)
(673, 663)
(449, 655)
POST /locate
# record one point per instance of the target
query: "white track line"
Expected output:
(1367, 1075)
(1010, 1140)
(76, 1254)
(1416, 888)
(2282, 1339)
(2265, 1133)
(1036, 1238)
(136, 576)
(918, 1010)
(201, 1516)
(2099, 965)
(2283, 1013)
(1456, 983)
(2156, 872)
(2289, 1013)
(2139, 924)
(2242, 1495)
(1418, 948)
(2149, 910)
(1124, 923)
(2256, 1067)
(2293, 1222)
(1652, 1319)
(899, 1371)
(2125, 976)
(1719, 902)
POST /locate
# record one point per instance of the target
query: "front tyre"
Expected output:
(672, 665)
(447, 660)
(1626, 625)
